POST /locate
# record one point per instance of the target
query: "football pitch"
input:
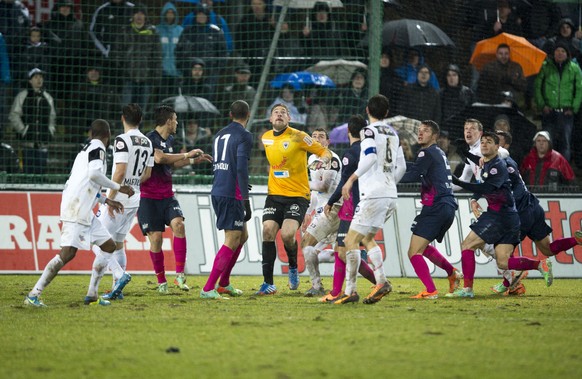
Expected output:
(149, 335)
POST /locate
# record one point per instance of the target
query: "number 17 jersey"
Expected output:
(134, 149)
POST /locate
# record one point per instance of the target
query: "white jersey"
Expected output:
(316, 177)
(376, 172)
(471, 169)
(136, 150)
(80, 193)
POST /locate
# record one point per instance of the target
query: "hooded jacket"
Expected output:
(553, 168)
(169, 37)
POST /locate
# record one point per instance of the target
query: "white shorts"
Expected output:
(82, 236)
(119, 225)
(371, 214)
(323, 226)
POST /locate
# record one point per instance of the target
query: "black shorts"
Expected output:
(533, 223)
(230, 213)
(154, 214)
(496, 228)
(279, 208)
(433, 222)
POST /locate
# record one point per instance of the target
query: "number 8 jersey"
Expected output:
(135, 150)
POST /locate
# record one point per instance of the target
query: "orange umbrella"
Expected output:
(520, 51)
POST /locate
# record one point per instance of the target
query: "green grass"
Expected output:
(287, 335)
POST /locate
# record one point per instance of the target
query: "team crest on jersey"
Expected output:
(285, 145)
(345, 161)
(511, 170)
(493, 171)
(308, 140)
(421, 154)
(334, 164)
(119, 145)
(368, 132)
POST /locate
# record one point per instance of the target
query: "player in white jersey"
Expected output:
(132, 163)
(381, 166)
(80, 227)
(320, 227)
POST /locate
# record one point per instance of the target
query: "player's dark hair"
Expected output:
(378, 106)
(476, 122)
(506, 135)
(162, 114)
(433, 126)
(491, 135)
(322, 130)
(503, 46)
(239, 110)
(100, 129)
(132, 114)
(355, 124)
(280, 105)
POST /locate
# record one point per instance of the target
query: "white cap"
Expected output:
(544, 134)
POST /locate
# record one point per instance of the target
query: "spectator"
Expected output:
(253, 36)
(321, 37)
(65, 37)
(521, 146)
(506, 22)
(540, 21)
(500, 75)
(409, 71)
(204, 40)
(5, 79)
(140, 56)
(545, 166)
(169, 31)
(455, 97)
(107, 23)
(565, 37)
(196, 83)
(240, 90)
(214, 19)
(297, 113)
(455, 160)
(420, 101)
(35, 54)
(14, 26)
(288, 48)
(33, 117)
(353, 100)
(322, 112)
(390, 83)
(558, 95)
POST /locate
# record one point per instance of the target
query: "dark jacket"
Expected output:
(421, 103)
(138, 52)
(455, 99)
(33, 114)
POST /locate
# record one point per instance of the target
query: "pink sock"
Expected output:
(367, 272)
(339, 275)
(158, 261)
(221, 261)
(180, 253)
(468, 266)
(438, 259)
(421, 269)
(522, 263)
(562, 244)
(225, 277)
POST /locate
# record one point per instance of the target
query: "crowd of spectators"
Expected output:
(126, 52)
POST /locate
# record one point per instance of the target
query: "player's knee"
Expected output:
(155, 241)
(108, 246)
(178, 227)
(269, 233)
(288, 239)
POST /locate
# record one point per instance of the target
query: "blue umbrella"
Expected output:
(301, 79)
(197, 1)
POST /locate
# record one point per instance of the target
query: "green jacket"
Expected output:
(559, 92)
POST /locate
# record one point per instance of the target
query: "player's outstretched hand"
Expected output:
(115, 205)
(248, 210)
(199, 156)
(127, 190)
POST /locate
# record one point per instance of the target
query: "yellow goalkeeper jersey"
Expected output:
(287, 156)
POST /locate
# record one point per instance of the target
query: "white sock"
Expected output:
(326, 256)
(50, 271)
(115, 268)
(312, 265)
(375, 256)
(99, 265)
(352, 266)
(120, 257)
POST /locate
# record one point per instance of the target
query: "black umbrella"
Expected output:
(414, 33)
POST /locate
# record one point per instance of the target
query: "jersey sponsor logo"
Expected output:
(493, 171)
(120, 145)
(421, 154)
(140, 141)
(345, 161)
(308, 140)
(285, 145)
(281, 173)
(163, 144)
(268, 142)
(294, 209)
(269, 211)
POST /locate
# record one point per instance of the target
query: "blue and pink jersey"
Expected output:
(159, 185)
(497, 187)
(350, 161)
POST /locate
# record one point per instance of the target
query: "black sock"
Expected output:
(292, 255)
(269, 255)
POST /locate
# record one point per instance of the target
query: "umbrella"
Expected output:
(413, 33)
(301, 79)
(307, 4)
(339, 134)
(407, 128)
(191, 104)
(339, 70)
(521, 51)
